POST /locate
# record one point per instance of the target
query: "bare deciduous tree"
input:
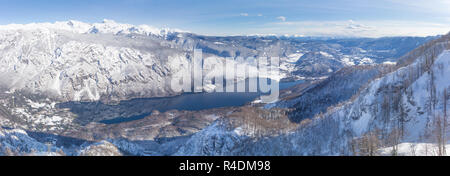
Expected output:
(445, 123)
(413, 148)
(439, 134)
(367, 145)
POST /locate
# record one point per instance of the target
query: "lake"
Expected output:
(192, 102)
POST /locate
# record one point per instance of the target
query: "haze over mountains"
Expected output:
(60, 81)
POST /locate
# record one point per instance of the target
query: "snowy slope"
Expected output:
(107, 26)
(45, 64)
(17, 142)
(318, 97)
(74, 67)
(397, 108)
(75, 61)
(109, 61)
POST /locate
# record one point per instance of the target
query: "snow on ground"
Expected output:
(415, 149)
(366, 61)
(294, 57)
(347, 61)
(325, 54)
(35, 104)
(339, 125)
(107, 26)
(49, 121)
(17, 142)
(288, 63)
(389, 63)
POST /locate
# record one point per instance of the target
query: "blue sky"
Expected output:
(371, 18)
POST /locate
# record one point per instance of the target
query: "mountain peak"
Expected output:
(106, 26)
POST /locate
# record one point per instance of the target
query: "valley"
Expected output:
(102, 89)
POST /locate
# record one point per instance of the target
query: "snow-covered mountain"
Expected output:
(66, 61)
(317, 97)
(105, 27)
(398, 113)
(46, 67)
(108, 61)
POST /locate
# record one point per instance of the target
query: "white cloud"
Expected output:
(352, 25)
(351, 28)
(259, 15)
(244, 14)
(282, 18)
